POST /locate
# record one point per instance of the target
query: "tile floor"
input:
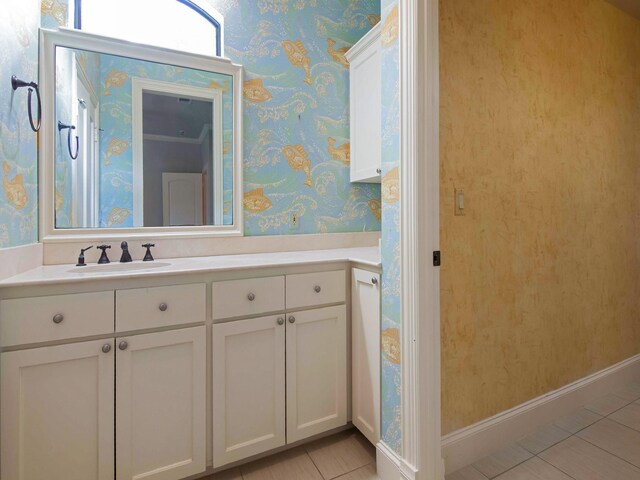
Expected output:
(345, 456)
(598, 442)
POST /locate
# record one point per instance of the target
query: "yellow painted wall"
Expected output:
(540, 126)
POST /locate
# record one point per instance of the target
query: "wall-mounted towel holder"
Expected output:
(16, 83)
(62, 126)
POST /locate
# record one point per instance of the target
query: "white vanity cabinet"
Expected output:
(280, 378)
(248, 388)
(58, 412)
(161, 404)
(366, 107)
(316, 371)
(365, 353)
(64, 406)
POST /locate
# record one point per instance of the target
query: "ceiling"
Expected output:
(174, 116)
(632, 7)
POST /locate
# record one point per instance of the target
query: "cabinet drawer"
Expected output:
(154, 307)
(239, 298)
(58, 317)
(309, 289)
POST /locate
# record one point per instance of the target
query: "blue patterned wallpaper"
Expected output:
(391, 347)
(19, 21)
(116, 169)
(296, 113)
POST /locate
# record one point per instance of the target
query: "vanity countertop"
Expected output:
(68, 273)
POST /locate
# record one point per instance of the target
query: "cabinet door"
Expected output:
(316, 371)
(366, 111)
(57, 412)
(160, 405)
(365, 353)
(248, 388)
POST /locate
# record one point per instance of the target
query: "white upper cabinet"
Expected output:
(365, 353)
(366, 107)
(58, 412)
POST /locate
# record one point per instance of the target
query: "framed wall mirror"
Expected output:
(137, 140)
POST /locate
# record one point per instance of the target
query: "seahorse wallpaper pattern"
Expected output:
(390, 337)
(116, 141)
(19, 21)
(296, 113)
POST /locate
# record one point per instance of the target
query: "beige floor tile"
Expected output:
(621, 441)
(576, 421)
(534, 469)
(543, 439)
(629, 416)
(340, 454)
(583, 461)
(501, 461)
(467, 473)
(232, 474)
(367, 472)
(607, 405)
(290, 465)
(631, 392)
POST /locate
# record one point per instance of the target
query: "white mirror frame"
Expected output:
(75, 39)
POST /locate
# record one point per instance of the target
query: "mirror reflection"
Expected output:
(141, 144)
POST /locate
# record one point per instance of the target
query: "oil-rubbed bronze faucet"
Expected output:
(147, 256)
(103, 257)
(126, 256)
(81, 257)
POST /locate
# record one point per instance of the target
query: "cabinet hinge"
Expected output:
(436, 258)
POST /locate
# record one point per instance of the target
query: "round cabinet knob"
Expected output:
(378, 170)
(292, 319)
(123, 345)
(317, 289)
(374, 280)
(163, 307)
(280, 321)
(251, 297)
(58, 318)
(106, 348)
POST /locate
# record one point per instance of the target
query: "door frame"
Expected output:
(140, 85)
(419, 237)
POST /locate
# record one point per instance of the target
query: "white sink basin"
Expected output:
(119, 267)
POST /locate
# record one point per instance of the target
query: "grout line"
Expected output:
(623, 424)
(556, 467)
(306, 452)
(607, 451)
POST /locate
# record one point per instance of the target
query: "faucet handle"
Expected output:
(103, 256)
(147, 256)
(81, 256)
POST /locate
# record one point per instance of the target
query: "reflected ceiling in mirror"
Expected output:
(140, 143)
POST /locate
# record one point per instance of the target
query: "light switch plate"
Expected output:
(459, 202)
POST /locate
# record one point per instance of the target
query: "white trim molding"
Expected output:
(390, 466)
(75, 39)
(140, 85)
(420, 292)
(16, 260)
(472, 443)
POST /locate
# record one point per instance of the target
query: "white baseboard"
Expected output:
(465, 446)
(16, 260)
(390, 466)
